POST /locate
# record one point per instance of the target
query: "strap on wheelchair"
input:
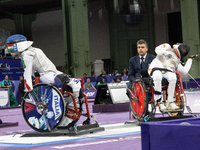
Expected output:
(160, 69)
(64, 78)
(157, 93)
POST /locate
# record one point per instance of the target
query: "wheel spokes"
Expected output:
(46, 121)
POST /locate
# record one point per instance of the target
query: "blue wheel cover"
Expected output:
(53, 113)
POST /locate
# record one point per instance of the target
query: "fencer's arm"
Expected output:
(28, 61)
(185, 69)
(193, 56)
(161, 49)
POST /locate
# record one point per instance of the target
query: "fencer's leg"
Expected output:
(171, 89)
(157, 88)
(48, 77)
(171, 77)
(157, 79)
(65, 121)
(70, 103)
(76, 95)
(76, 86)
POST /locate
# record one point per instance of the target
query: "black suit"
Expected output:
(135, 67)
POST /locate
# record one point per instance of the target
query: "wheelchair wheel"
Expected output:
(138, 100)
(43, 107)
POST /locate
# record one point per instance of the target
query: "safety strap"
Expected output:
(157, 93)
(161, 69)
(64, 78)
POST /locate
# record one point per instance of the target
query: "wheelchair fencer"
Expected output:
(142, 95)
(155, 91)
(48, 106)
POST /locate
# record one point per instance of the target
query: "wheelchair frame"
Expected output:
(77, 113)
(142, 95)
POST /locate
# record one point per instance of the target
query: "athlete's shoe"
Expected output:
(162, 107)
(172, 106)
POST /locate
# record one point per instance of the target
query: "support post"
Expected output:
(76, 37)
(190, 30)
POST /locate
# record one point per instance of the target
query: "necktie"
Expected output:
(142, 62)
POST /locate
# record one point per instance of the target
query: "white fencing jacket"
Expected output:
(169, 60)
(33, 60)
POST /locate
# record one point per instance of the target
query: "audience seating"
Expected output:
(95, 80)
(187, 83)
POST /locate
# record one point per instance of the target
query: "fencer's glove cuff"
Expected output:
(193, 56)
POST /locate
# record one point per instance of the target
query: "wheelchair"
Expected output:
(44, 107)
(142, 103)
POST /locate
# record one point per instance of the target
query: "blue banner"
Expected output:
(91, 94)
(52, 115)
(11, 67)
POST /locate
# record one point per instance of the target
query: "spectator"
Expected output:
(139, 62)
(5, 45)
(103, 73)
(88, 85)
(94, 74)
(21, 87)
(6, 83)
(119, 79)
(1, 45)
(13, 85)
(113, 80)
(125, 74)
(85, 75)
(7, 55)
(2, 49)
(3, 67)
(115, 73)
(101, 81)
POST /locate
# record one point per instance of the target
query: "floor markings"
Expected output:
(114, 130)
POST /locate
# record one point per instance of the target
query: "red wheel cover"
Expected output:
(139, 94)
